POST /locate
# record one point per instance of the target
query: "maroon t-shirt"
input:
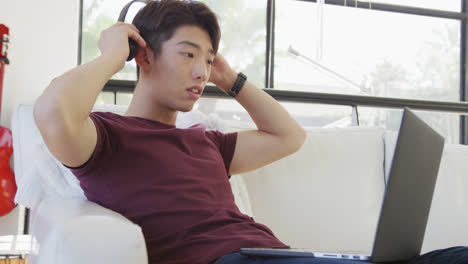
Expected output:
(174, 184)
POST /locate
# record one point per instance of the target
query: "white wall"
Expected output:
(43, 44)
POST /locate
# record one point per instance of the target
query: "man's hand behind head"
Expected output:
(113, 41)
(222, 75)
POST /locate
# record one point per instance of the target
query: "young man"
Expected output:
(172, 182)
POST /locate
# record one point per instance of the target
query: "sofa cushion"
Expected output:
(328, 195)
(38, 174)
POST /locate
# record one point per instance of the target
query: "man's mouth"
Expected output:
(195, 92)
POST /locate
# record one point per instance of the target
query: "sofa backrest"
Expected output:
(315, 190)
(446, 226)
(448, 218)
(328, 195)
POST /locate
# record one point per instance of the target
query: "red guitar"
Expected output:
(7, 180)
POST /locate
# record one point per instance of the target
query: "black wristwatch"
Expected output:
(238, 84)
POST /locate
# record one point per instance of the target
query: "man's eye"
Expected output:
(210, 62)
(188, 54)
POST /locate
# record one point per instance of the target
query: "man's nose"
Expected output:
(200, 71)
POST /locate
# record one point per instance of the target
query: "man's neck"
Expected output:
(144, 107)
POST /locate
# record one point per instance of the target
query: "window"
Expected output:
(347, 50)
(366, 52)
(324, 47)
(242, 23)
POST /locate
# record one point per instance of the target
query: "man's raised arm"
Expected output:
(62, 111)
(278, 134)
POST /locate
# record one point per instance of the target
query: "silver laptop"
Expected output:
(407, 200)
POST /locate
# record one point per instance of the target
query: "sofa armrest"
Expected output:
(78, 231)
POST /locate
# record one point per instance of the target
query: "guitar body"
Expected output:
(7, 179)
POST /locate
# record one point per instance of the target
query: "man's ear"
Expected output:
(144, 57)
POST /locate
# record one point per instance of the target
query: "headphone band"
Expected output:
(124, 11)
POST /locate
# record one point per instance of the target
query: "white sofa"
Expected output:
(327, 196)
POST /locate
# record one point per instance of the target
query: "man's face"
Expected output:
(183, 68)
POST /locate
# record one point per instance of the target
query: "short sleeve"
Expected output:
(102, 145)
(226, 144)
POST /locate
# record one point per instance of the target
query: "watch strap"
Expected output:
(238, 84)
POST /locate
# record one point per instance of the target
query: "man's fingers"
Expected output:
(135, 36)
(133, 33)
(134, 27)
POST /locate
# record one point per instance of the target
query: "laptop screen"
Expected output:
(408, 196)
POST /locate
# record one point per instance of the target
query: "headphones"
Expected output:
(131, 43)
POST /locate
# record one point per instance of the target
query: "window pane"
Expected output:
(308, 115)
(447, 124)
(97, 16)
(243, 26)
(124, 98)
(243, 35)
(448, 5)
(360, 51)
(105, 98)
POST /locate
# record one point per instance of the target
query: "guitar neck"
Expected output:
(4, 40)
(2, 71)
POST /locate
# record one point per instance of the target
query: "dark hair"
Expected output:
(158, 21)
